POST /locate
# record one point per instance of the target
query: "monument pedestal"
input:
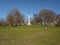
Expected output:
(28, 23)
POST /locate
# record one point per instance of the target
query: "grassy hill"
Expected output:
(29, 35)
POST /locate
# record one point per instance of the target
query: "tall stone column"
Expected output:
(29, 23)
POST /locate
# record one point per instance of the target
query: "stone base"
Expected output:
(28, 23)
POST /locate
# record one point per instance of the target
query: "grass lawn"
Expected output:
(29, 35)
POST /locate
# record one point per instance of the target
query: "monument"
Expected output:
(28, 23)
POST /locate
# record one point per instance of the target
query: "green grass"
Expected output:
(29, 35)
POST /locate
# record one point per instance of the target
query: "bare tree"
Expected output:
(2, 22)
(58, 19)
(37, 19)
(47, 15)
(15, 17)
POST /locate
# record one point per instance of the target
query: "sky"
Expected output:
(28, 6)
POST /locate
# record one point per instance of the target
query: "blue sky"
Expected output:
(25, 6)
